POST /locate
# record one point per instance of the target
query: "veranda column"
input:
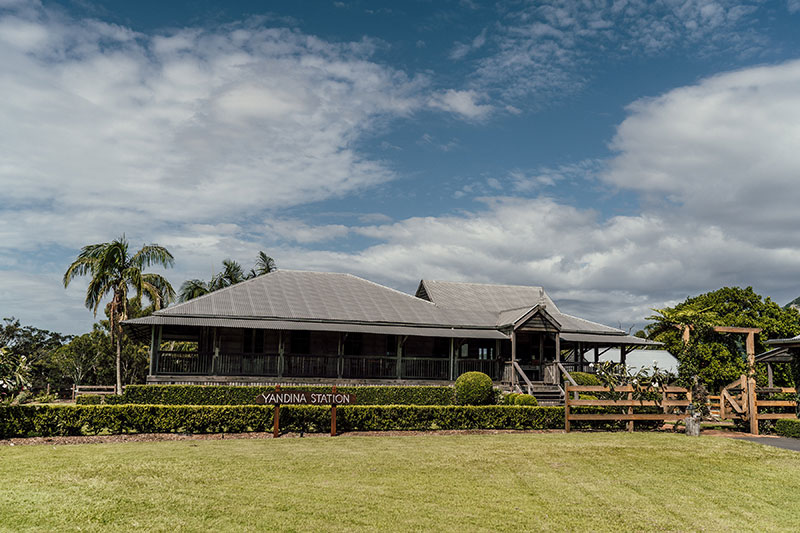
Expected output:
(452, 364)
(513, 359)
(152, 350)
(558, 347)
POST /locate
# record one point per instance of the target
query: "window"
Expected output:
(485, 353)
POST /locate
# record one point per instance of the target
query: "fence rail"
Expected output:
(668, 403)
(100, 390)
(740, 400)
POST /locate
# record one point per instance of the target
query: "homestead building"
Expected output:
(320, 327)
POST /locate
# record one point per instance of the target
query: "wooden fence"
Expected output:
(668, 403)
(102, 390)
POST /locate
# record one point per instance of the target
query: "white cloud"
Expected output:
(548, 48)
(103, 124)
(723, 152)
(464, 103)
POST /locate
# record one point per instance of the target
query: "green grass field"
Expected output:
(511, 482)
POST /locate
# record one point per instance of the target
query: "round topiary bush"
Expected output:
(525, 399)
(474, 388)
(509, 398)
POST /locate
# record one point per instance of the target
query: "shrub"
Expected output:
(89, 399)
(525, 399)
(47, 420)
(788, 427)
(230, 395)
(474, 388)
(585, 379)
(509, 399)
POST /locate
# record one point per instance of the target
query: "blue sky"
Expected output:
(623, 154)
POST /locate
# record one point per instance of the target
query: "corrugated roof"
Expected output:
(484, 296)
(300, 295)
(608, 340)
(291, 296)
(505, 300)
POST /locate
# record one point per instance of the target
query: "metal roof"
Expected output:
(510, 302)
(484, 296)
(608, 340)
(286, 299)
(782, 342)
(301, 295)
(776, 355)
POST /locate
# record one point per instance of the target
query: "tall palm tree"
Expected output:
(232, 273)
(192, 288)
(264, 265)
(113, 271)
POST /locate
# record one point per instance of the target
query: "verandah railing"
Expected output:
(324, 366)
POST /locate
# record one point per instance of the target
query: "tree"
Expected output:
(113, 271)
(35, 346)
(231, 274)
(264, 265)
(719, 358)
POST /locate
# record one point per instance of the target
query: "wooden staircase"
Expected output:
(547, 394)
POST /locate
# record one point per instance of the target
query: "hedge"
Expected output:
(89, 399)
(788, 427)
(47, 421)
(229, 395)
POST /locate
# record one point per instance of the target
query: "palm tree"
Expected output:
(232, 273)
(264, 265)
(192, 288)
(113, 271)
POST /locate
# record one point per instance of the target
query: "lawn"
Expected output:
(509, 482)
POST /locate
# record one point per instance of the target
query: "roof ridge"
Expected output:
(486, 284)
(388, 288)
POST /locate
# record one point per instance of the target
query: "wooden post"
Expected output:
(566, 411)
(276, 417)
(722, 413)
(513, 359)
(752, 406)
(333, 416)
(770, 376)
(152, 350)
(630, 412)
(281, 350)
(452, 362)
(750, 346)
(623, 355)
(558, 347)
(596, 356)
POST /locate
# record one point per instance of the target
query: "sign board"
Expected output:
(305, 398)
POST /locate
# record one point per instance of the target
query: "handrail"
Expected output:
(569, 377)
(518, 370)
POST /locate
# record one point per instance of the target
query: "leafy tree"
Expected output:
(719, 358)
(35, 346)
(14, 374)
(264, 265)
(231, 274)
(112, 270)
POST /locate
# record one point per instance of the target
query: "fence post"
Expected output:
(566, 411)
(752, 405)
(630, 412)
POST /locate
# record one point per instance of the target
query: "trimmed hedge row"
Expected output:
(230, 395)
(47, 421)
(788, 427)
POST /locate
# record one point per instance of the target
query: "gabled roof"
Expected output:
(296, 299)
(506, 301)
(489, 297)
(323, 296)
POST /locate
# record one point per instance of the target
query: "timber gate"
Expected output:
(742, 400)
